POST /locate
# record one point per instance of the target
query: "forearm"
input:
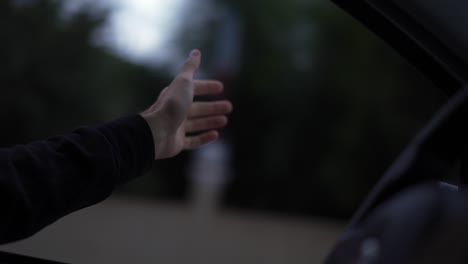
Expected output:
(43, 181)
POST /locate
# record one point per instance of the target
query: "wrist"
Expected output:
(159, 133)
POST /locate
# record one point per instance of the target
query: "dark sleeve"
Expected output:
(46, 180)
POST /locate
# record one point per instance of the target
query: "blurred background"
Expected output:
(322, 108)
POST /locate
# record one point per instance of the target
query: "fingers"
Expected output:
(200, 140)
(199, 109)
(208, 87)
(191, 65)
(205, 123)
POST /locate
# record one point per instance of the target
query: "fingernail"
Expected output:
(195, 53)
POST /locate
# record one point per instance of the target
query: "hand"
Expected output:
(174, 113)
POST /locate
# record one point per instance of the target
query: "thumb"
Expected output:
(179, 96)
(191, 64)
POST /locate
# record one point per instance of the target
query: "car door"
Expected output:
(432, 35)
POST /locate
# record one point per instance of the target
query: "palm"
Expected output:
(175, 114)
(197, 117)
(179, 143)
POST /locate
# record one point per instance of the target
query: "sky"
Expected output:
(139, 30)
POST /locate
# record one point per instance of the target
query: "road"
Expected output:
(128, 230)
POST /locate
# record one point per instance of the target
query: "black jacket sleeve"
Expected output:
(46, 180)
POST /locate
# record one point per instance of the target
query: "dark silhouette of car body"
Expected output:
(410, 216)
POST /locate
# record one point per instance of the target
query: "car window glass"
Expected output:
(446, 19)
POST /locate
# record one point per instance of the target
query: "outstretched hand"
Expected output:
(174, 114)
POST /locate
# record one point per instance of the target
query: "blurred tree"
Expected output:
(322, 107)
(52, 80)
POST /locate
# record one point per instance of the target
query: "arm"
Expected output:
(44, 181)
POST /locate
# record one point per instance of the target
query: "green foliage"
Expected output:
(53, 79)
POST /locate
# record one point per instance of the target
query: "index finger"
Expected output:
(208, 87)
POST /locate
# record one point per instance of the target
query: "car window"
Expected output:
(446, 19)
